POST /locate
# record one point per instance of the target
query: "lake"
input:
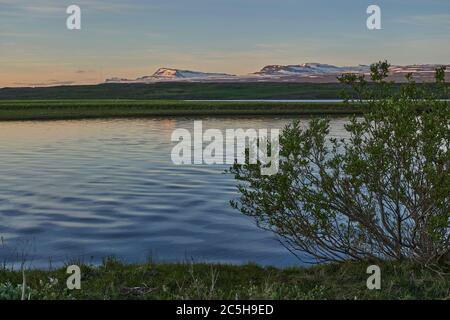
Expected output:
(88, 189)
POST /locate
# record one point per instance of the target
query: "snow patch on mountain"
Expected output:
(169, 73)
(308, 69)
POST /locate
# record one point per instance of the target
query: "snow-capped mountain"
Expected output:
(417, 68)
(170, 74)
(306, 72)
(307, 69)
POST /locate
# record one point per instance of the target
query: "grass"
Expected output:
(84, 109)
(115, 280)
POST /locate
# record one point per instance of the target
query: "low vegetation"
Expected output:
(114, 280)
(85, 109)
(179, 91)
(183, 91)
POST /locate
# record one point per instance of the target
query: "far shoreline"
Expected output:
(33, 110)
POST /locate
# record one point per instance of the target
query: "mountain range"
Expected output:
(307, 72)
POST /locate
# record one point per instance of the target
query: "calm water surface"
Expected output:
(95, 188)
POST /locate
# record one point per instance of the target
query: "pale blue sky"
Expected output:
(133, 38)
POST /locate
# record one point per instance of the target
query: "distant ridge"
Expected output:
(308, 69)
(306, 72)
(170, 74)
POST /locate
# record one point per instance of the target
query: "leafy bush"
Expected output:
(381, 193)
(8, 291)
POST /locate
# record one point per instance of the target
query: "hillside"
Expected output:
(179, 91)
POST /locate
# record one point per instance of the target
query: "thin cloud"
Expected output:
(20, 34)
(83, 71)
(51, 7)
(45, 84)
(434, 20)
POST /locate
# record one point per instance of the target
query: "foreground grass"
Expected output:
(82, 109)
(114, 280)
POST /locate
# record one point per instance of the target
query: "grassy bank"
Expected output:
(114, 280)
(82, 109)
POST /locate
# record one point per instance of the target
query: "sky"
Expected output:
(134, 38)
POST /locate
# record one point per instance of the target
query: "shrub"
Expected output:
(383, 192)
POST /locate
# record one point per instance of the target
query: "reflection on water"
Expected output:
(95, 188)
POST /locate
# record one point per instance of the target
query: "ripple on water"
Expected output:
(90, 189)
